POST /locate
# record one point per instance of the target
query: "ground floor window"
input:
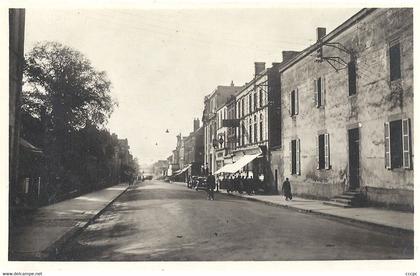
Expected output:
(323, 151)
(398, 144)
(295, 156)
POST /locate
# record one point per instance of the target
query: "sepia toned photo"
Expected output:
(211, 134)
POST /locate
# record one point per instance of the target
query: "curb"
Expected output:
(53, 250)
(389, 228)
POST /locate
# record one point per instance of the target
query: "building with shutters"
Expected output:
(347, 111)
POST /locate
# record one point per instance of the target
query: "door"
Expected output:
(276, 180)
(354, 158)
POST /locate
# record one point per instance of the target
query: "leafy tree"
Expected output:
(65, 94)
(62, 83)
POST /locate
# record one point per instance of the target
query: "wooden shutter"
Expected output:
(323, 90)
(406, 143)
(327, 151)
(298, 156)
(387, 146)
(316, 93)
(296, 101)
(317, 152)
(291, 159)
(290, 103)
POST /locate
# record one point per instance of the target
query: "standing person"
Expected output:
(211, 183)
(286, 189)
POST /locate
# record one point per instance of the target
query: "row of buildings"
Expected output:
(334, 117)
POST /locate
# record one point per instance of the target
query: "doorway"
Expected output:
(354, 163)
(276, 181)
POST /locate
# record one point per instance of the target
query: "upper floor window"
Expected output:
(294, 103)
(255, 100)
(395, 61)
(250, 131)
(261, 97)
(398, 144)
(351, 67)
(255, 129)
(243, 106)
(250, 103)
(319, 91)
(261, 128)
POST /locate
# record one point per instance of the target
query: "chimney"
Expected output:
(259, 67)
(320, 33)
(196, 124)
(288, 55)
(232, 84)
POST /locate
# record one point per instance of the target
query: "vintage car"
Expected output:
(200, 183)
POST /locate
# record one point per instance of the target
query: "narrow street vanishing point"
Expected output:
(159, 221)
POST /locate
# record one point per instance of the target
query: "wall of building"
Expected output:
(377, 101)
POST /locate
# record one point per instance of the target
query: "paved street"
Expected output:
(157, 221)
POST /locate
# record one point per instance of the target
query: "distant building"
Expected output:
(212, 102)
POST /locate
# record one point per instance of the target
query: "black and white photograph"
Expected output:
(200, 134)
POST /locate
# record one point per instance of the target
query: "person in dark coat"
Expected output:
(286, 189)
(211, 184)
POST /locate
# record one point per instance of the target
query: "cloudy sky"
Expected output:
(163, 62)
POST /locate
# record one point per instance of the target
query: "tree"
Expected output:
(66, 94)
(61, 82)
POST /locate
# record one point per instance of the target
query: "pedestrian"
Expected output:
(286, 189)
(211, 183)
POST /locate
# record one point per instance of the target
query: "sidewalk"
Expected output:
(396, 220)
(390, 219)
(50, 227)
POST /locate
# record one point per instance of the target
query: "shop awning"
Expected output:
(183, 170)
(223, 169)
(233, 168)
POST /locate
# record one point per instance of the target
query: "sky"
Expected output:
(162, 62)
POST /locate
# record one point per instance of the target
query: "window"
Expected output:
(255, 129)
(351, 67)
(243, 135)
(261, 97)
(323, 151)
(398, 144)
(394, 61)
(294, 103)
(250, 103)
(319, 92)
(255, 101)
(239, 109)
(295, 156)
(250, 131)
(243, 106)
(261, 128)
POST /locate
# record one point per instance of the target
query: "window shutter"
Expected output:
(298, 156)
(406, 143)
(327, 151)
(291, 159)
(290, 103)
(296, 101)
(315, 93)
(323, 90)
(387, 147)
(317, 152)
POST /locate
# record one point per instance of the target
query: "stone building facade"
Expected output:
(347, 110)
(212, 102)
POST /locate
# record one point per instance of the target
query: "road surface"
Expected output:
(158, 221)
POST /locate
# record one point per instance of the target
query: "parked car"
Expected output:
(200, 183)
